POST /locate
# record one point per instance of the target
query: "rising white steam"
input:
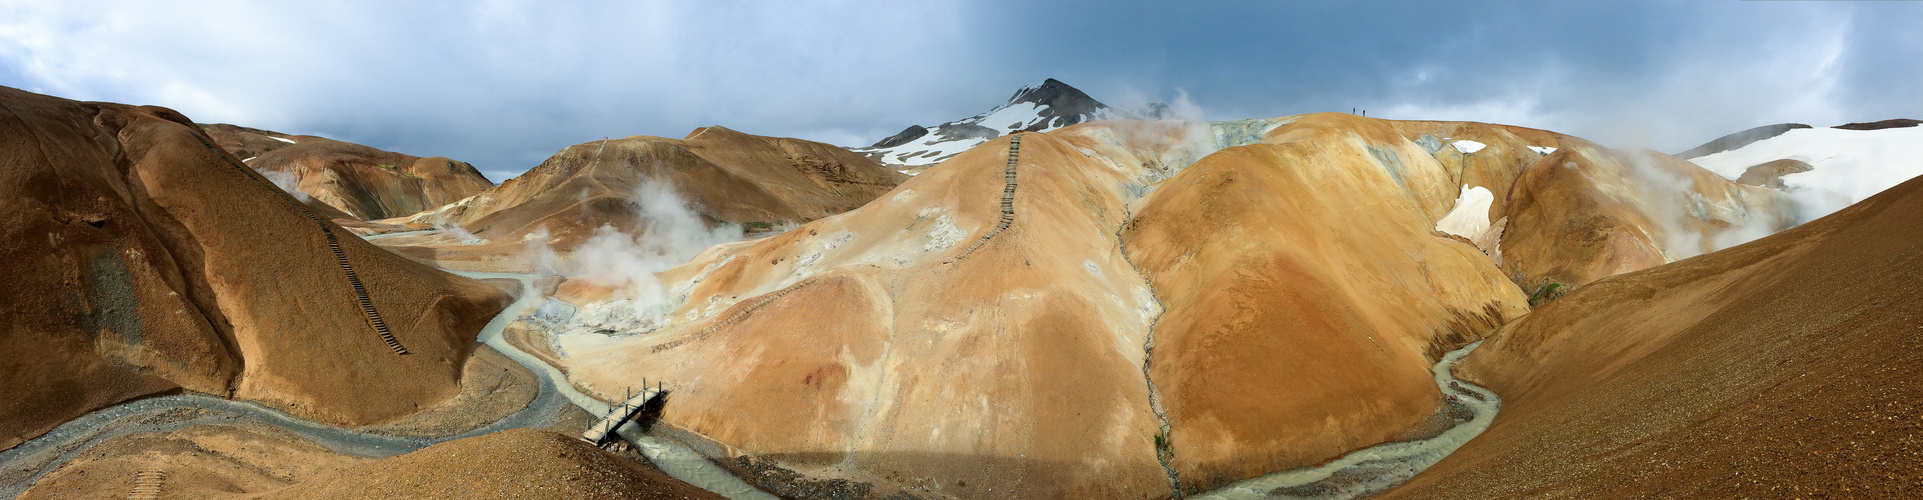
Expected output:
(1176, 139)
(287, 182)
(1693, 224)
(460, 234)
(630, 258)
(540, 255)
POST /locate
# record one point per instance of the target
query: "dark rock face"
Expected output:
(1054, 104)
(1062, 104)
(954, 131)
(1890, 123)
(911, 133)
(1739, 139)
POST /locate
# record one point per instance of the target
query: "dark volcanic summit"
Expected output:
(1046, 106)
(1739, 139)
(1062, 104)
(911, 133)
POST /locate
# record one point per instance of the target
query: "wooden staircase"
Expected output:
(333, 244)
(1008, 200)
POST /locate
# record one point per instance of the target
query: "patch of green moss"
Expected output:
(1546, 293)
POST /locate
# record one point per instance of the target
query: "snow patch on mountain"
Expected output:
(1849, 165)
(1468, 147)
(1035, 108)
(1470, 217)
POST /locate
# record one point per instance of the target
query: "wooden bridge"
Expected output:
(602, 432)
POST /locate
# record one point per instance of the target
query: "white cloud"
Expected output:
(484, 82)
(1509, 108)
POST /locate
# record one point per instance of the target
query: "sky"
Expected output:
(503, 84)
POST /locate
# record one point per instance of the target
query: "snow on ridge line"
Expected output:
(282, 139)
(1468, 147)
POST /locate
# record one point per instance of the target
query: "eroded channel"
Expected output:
(1376, 469)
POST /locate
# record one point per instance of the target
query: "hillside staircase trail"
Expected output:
(333, 244)
(147, 485)
(1008, 199)
(602, 432)
(734, 318)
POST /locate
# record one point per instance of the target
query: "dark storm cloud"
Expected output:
(505, 83)
(1666, 75)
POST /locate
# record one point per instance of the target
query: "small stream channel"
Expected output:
(1376, 469)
